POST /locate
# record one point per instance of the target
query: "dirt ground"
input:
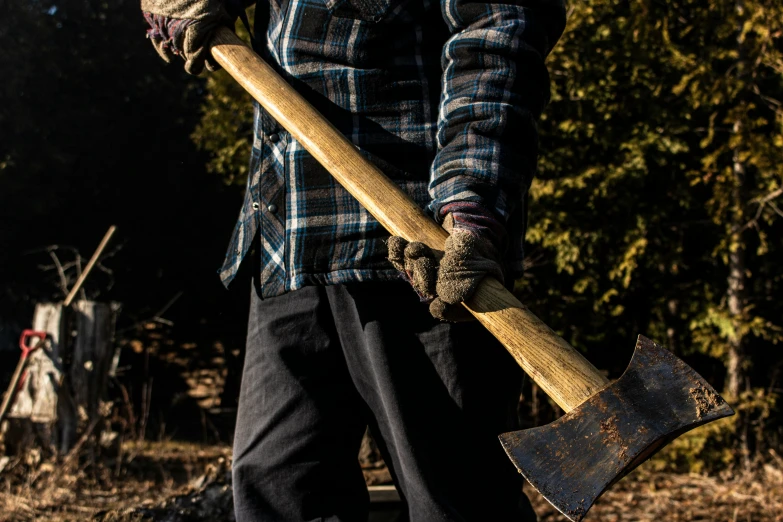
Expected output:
(179, 482)
(667, 497)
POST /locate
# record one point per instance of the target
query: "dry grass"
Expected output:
(647, 496)
(158, 479)
(149, 474)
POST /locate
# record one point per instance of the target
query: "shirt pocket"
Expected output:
(365, 10)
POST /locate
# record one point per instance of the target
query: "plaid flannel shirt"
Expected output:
(442, 97)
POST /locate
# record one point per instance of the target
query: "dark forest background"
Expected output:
(658, 208)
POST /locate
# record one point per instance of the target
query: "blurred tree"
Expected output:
(226, 126)
(732, 77)
(611, 208)
(656, 206)
(656, 201)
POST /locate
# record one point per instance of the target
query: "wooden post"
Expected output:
(92, 357)
(57, 401)
(37, 404)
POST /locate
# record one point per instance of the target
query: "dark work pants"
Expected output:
(322, 363)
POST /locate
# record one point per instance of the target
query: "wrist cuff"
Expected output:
(473, 217)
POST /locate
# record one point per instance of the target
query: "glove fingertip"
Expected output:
(396, 252)
(415, 249)
(455, 290)
(438, 309)
(425, 273)
(462, 242)
(193, 67)
(452, 313)
(397, 243)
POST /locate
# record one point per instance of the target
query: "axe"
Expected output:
(608, 429)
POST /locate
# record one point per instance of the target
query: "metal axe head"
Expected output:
(573, 460)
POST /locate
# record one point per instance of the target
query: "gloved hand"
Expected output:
(472, 251)
(184, 28)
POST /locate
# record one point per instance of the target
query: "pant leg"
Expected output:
(440, 394)
(299, 422)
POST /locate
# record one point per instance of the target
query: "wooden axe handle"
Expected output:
(562, 372)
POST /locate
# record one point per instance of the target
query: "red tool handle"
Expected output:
(16, 379)
(25, 339)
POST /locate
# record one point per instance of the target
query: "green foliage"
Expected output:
(711, 447)
(661, 157)
(632, 198)
(661, 160)
(707, 448)
(225, 128)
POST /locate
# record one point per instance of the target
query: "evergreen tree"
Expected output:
(655, 210)
(658, 202)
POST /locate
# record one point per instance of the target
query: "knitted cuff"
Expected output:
(474, 218)
(167, 31)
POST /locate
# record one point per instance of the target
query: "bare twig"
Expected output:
(128, 408)
(60, 272)
(82, 440)
(145, 408)
(769, 197)
(100, 266)
(64, 269)
(772, 103)
(762, 202)
(157, 316)
(775, 208)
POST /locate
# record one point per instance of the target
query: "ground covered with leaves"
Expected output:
(144, 477)
(178, 482)
(671, 497)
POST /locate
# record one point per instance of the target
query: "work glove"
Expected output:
(472, 251)
(184, 28)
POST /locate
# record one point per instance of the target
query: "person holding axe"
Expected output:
(443, 98)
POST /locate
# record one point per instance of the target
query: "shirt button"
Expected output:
(274, 137)
(255, 206)
(272, 208)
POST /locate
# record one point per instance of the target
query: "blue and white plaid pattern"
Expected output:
(443, 97)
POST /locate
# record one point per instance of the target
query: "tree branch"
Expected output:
(763, 202)
(60, 272)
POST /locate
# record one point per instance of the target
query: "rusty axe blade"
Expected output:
(573, 460)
